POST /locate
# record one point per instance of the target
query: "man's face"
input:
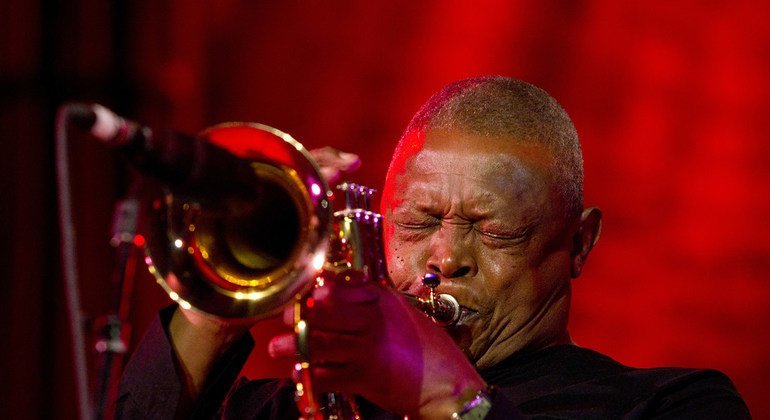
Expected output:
(483, 214)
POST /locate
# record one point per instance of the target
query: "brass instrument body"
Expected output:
(356, 246)
(249, 240)
(245, 244)
(443, 308)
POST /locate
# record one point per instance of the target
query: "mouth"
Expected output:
(413, 288)
(416, 288)
(467, 316)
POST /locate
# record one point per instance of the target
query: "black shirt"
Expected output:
(572, 382)
(563, 381)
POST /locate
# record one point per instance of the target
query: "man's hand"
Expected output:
(200, 339)
(334, 163)
(369, 341)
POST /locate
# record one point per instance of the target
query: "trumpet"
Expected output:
(253, 236)
(244, 242)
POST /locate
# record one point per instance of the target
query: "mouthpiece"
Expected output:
(442, 308)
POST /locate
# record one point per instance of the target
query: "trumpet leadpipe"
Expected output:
(444, 309)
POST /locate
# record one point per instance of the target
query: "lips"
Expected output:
(416, 288)
(467, 315)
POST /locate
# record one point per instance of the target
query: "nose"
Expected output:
(451, 256)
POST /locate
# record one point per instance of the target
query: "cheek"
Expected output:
(513, 282)
(522, 283)
(403, 260)
(502, 274)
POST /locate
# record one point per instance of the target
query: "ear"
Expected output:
(585, 237)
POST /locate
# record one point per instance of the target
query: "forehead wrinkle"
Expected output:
(493, 163)
(511, 178)
(510, 173)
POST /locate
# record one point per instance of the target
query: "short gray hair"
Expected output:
(501, 106)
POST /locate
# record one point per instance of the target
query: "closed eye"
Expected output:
(514, 238)
(415, 230)
(416, 225)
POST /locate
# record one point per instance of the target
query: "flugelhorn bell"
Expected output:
(245, 241)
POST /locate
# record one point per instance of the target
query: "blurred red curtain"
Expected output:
(671, 99)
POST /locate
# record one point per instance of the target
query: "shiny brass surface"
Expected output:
(246, 244)
(253, 237)
(443, 309)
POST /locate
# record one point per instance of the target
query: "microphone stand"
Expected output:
(110, 344)
(113, 329)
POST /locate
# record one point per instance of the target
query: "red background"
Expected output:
(672, 104)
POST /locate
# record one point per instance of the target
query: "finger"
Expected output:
(335, 378)
(333, 162)
(333, 302)
(330, 174)
(284, 345)
(349, 162)
(338, 348)
(329, 156)
(343, 309)
(343, 321)
(334, 294)
(288, 316)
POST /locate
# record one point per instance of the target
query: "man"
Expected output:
(485, 191)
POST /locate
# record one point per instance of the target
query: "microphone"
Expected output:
(173, 158)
